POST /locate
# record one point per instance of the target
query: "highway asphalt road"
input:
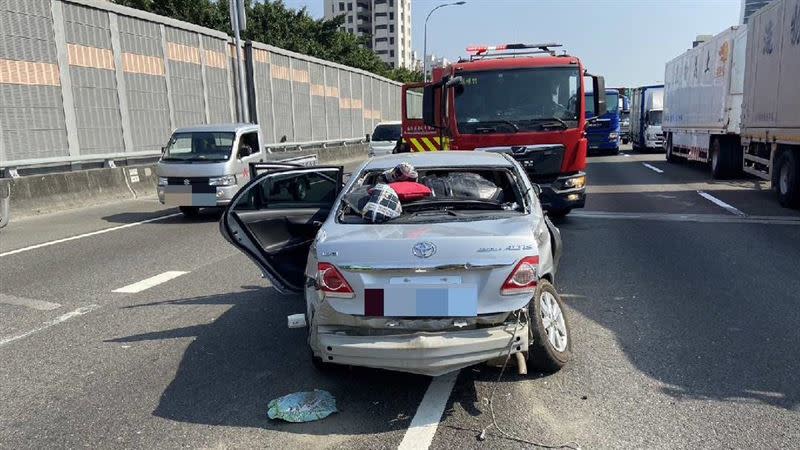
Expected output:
(682, 297)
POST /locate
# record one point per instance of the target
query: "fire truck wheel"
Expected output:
(787, 179)
(550, 338)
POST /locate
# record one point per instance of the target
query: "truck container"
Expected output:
(646, 109)
(771, 104)
(703, 101)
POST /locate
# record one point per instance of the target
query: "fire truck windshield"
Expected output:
(512, 100)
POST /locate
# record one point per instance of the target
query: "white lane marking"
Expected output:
(426, 420)
(41, 305)
(653, 168)
(696, 218)
(85, 235)
(147, 283)
(721, 204)
(62, 318)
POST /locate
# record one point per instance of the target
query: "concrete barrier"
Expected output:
(42, 194)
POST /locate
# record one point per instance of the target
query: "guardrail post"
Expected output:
(67, 99)
(122, 88)
(167, 77)
(203, 76)
(324, 103)
(291, 99)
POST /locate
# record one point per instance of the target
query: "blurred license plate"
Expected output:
(190, 195)
(422, 297)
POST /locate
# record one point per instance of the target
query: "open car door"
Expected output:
(274, 219)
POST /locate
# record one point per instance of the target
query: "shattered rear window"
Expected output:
(456, 194)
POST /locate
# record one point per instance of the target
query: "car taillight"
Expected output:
(331, 281)
(523, 278)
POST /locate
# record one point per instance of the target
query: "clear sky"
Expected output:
(628, 41)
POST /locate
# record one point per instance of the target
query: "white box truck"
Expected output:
(703, 101)
(647, 106)
(771, 105)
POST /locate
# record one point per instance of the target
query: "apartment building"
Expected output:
(387, 23)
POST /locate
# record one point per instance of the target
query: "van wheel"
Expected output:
(558, 213)
(551, 341)
(787, 179)
(189, 211)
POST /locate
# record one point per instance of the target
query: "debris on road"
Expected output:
(302, 406)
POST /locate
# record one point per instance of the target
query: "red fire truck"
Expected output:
(519, 99)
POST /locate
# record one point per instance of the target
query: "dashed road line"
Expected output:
(721, 204)
(653, 168)
(85, 235)
(62, 318)
(696, 218)
(147, 283)
(41, 305)
(429, 413)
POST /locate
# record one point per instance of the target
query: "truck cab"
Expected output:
(205, 165)
(604, 132)
(646, 113)
(519, 99)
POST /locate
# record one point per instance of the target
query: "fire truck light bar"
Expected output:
(482, 49)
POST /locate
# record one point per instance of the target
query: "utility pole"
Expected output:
(239, 24)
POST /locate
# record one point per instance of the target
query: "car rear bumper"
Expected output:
(425, 353)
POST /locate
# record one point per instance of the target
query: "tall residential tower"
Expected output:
(386, 22)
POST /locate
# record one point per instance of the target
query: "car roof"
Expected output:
(220, 127)
(464, 158)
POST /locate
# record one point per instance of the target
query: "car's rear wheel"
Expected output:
(189, 211)
(551, 341)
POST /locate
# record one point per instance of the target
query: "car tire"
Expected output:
(550, 338)
(787, 179)
(189, 211)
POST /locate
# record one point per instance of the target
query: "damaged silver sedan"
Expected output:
(457, 269)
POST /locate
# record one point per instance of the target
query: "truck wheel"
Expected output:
(787, 179)
(189, 211)
(669, 151)
(550, 339)
(717, 160)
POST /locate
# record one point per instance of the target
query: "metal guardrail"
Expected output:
(11, 168)
(295, 146)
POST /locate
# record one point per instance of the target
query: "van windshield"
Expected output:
(386, 133)
(199, 147)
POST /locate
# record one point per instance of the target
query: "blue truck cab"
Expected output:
(604, 133)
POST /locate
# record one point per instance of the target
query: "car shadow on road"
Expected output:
(717, 323)
(204, 215)
(246, 357)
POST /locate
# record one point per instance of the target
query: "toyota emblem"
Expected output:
(424, 249)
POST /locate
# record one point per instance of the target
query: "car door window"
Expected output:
(292, 189)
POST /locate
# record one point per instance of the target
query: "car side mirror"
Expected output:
(600, 104)
(368, 137)
(163, 150)
(537, 190)
(457, 84)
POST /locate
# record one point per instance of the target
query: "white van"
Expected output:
(384, 138)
